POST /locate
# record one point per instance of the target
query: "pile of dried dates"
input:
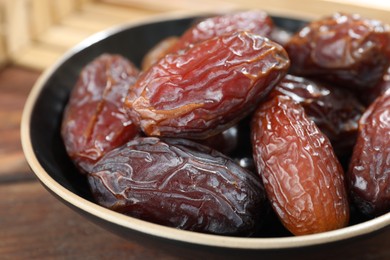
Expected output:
(236, 117)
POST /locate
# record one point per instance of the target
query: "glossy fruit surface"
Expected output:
(158, 51)
(94, 121)
(345, 49)
(369, 172)
(335, 111)
(253, 21)
(207, 89)
(302, 177)
(179, 183)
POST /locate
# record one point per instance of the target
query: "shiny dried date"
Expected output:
(208, 88)
(369, 171)
(346, 49)
(158, 51)
(94, 120)
(335, 111)
(301, 174)
(254, 21)
(181, 184)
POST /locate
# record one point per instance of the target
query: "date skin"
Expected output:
(94, 120)
(345, 49)
(369, 171)
(208, 88)
(158, 51)
(335, 111)
(302, 177)
(181, 184)
(254, 21)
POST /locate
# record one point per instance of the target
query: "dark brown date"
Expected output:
(94, 121)
(254, 21)
(335, 111)
(208, 88)
(346, 49)
(369, 95)
(369, 171)
(302, 177)
(181, 184)
(225, 142)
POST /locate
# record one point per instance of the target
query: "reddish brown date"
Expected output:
(345, 49)
(208, 88)
(254, 21)
(301, 174)
(158, 51)
(335, 111)
(94, 121)
(369, 171)
(181, 184)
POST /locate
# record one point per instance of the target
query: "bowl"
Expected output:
(45, 153)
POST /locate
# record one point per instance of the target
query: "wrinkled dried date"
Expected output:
(254, 21)
(94, 121)
(302, 177)
(346, 49)
(335, 111)
(369, 171)
(179, 183)
(158, 51)
(207, 89)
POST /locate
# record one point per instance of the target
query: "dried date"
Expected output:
(208, 88)
(94, 120)
(369, 171)
(346, 49)
(302, 177)
(254, 21)
(335, 111)
(181, 184)
(158, 51)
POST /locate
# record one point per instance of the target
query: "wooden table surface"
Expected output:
(35, 225)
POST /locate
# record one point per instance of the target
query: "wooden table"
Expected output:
(34, 225)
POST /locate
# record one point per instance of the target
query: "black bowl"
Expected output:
(46, 154)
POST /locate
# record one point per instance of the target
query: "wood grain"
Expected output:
(37, 226)
(15, 84)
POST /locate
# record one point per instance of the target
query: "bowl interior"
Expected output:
(130, 41)
(42, 118)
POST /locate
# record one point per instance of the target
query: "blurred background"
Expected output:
(34, 33)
